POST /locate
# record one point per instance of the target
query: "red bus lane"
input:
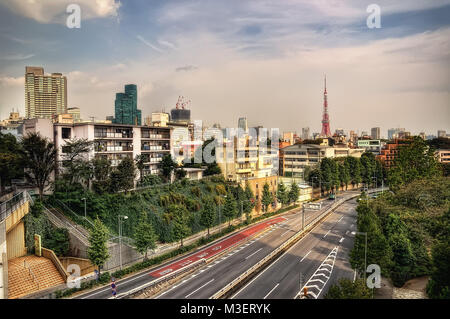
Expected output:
(217, 248)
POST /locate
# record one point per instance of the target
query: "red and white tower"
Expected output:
(326, 132)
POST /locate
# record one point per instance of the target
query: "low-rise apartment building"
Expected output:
(443, 156)
(293, 159)
(373, 146)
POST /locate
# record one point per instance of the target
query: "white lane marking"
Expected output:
(351, 226)
(271, 291)
(285, 232)
(253, 253)
(342, 239)
(327, 233)
(199, 288)
(340, 219)
(305, 255)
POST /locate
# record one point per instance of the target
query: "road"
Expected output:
(279, 223)
(284, 278)
(210, 279)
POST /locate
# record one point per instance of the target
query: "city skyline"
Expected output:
(373, 78)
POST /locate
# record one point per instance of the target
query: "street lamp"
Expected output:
(84, 206)
(365, 249)
(120, 238)
(376, 181)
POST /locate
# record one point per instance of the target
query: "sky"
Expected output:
(264, 60)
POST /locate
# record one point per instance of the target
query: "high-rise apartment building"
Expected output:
(242, 124)
(375, 133)
(126, 111)
(45, 95)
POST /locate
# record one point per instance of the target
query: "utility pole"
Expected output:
(303, 216)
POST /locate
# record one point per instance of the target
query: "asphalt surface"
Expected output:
(285, 277)
(209, 251)
(207, 281)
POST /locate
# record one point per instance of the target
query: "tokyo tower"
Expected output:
(326, 132)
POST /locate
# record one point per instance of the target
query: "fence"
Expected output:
(12, 204)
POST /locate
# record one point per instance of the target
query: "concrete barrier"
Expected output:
(244, 277)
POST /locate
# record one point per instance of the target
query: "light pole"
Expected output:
(84, 206)
(120, 238)
(365, 249)
(376, 181)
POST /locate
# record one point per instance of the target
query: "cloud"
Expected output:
(186, 68)
(54, 11)
(140, 38)
(167, 44)
(17, 57)
(9, 81)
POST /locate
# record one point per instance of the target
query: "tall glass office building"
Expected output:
(126, 111)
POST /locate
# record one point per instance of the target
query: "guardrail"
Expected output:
(12, 204)
(161, 280)
(287, 244)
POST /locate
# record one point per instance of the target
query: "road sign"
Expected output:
(313, 206)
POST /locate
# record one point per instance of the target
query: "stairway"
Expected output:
(37, 273)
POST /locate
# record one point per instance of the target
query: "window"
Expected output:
(65, 132)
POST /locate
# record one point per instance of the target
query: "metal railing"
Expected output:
(286, 245)
(14, 203)
(30, 272)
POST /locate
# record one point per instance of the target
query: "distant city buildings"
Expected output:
(125, 106)
(242, 124)
(390, 150)
(373, 146)
(305, 133)
(75, 112)
(375, 133)
(441, 133)
(395, 132)
(45, 95)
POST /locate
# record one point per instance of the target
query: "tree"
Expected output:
(10, 160)
(355, 169)
(282, 194)
(347, 289)
(101, 170)
(39, 159)
(123, 177)
(167, 166)
(140, 160)
(180, 222)
(58, 241)
(180, 173)
(413, 161)
(249, 201)
(207, 214)
(267, 197)
(98, 251)
(74, 160)
(439, 284)
(144, 235)
(368, 165)
(344, 174)
(230, 208)
(294, 192)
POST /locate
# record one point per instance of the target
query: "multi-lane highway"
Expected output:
(207, 281)
(285, 277)
(270, 233)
